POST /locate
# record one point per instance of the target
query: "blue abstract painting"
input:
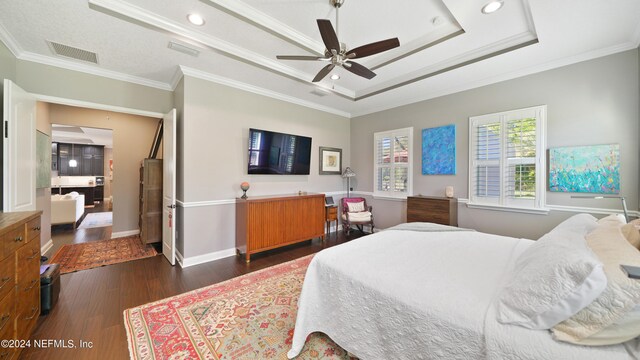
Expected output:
(439, 150)
(585, 169)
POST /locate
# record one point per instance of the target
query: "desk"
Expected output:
(331, 214)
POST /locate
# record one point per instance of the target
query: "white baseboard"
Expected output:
(46, 247)
(201, 259)
(120, 234)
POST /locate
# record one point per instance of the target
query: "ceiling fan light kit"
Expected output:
(338, 54)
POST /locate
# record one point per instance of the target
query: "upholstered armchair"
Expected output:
(356, 212)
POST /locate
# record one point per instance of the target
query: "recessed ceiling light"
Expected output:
(195, 19)
(335, 77)
(492, 6)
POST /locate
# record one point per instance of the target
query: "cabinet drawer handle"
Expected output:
(18, 239)
(4, 281)
(37, 228)
(33, 283)
(4, 319)
(33, 314)
(32, 256)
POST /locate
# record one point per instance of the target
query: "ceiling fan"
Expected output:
(337, 52)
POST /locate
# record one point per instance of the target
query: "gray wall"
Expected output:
(594, 102)
(53, 81)
(214, 131)
(7, 64)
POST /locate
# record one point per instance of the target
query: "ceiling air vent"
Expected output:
(183, 48)
(73, 52)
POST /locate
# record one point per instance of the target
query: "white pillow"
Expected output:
(68, 197)
(554, 278)
(621, 331)
(356, 206)
(613, 220)
(605, 320)
(631, 232)
(73, 193)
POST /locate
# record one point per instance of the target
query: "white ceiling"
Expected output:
(446, 45)
(81, 135)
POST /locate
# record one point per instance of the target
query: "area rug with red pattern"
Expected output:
(247, 317)
(89, 255)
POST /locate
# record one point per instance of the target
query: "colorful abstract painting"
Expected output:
(439, 150)
(585, 169)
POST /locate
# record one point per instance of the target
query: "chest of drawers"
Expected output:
(19, 277)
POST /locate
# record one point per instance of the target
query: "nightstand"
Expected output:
(331, 214)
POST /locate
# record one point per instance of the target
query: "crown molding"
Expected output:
(505, 45)
(9, 41)
(249, 14)
(92, 70)
(128, 11)
(20, 54)
(186, 71)
(503, 77)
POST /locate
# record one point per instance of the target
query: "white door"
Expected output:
(19, 149)
(169, 186)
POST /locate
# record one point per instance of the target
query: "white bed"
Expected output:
(402, 294)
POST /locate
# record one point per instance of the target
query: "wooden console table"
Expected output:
(269, 222)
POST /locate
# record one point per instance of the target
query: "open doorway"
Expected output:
(81, 136)
(81, 182)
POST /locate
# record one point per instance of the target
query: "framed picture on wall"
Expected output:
(330, 161)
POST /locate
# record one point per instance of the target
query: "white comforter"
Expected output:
(404, 294)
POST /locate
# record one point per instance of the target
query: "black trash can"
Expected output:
(49, 287)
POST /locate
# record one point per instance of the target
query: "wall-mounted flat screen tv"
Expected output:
(276, 153)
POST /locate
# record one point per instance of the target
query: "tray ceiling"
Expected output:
(446, 45)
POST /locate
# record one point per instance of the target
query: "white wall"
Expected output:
(594, 102)
(213, 133)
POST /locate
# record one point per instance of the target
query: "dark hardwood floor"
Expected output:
(91, 303)
(65, 234)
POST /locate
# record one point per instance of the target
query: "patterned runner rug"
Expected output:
(247, 317)
(83, 256)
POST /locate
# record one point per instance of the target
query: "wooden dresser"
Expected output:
(439, 210)
(268, 222)
(150, 221)
(19, 277)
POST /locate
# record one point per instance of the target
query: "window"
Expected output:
(507, 159)
(254, 148)
(392, 171)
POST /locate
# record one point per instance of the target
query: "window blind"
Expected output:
(392, 154)
(507, 158)
(521, 158)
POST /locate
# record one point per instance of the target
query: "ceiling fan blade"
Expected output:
(358, 69)
(299, 57)
(373, 48)
(329, 36)
(322, 73)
